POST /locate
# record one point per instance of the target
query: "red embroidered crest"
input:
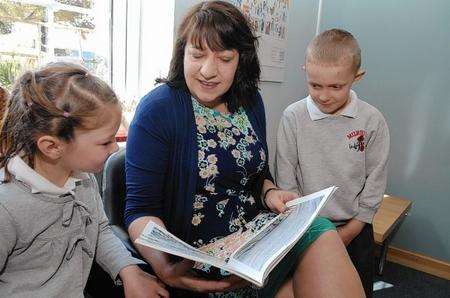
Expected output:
(357, 144)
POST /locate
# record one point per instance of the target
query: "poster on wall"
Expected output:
(269, 19)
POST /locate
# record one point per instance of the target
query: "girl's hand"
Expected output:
(138, 283)
(179, 275)
(276, 199)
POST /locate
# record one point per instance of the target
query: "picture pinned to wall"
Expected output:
(269, 19)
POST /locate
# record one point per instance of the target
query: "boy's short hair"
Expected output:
(332, 46)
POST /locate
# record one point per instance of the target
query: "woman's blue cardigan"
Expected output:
(161, 158)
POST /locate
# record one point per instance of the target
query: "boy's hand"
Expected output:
(138, 283)
(276, 199)
(350, 230)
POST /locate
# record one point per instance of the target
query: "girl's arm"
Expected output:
(8, 236)
(112, 255)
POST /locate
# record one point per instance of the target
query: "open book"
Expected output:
(250, 253)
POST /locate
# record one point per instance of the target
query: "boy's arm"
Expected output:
(350, 230)
(286, 158)
(377, 153)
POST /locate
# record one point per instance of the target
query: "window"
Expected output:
(35, 32)
(128, 43)
(142, 42)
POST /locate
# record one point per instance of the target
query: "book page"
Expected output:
(265, 250)
(159, 238)
(223, 248)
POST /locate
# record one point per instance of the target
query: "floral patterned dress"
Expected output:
(230, 156)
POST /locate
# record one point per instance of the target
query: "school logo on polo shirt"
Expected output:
(356, 140)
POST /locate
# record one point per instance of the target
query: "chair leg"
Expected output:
(386, 243)
(383, 255)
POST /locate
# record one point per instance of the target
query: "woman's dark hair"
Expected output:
(54, 100)
(222, 27)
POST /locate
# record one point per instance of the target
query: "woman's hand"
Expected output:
(137, 283)
(276, 199)
(179, 275)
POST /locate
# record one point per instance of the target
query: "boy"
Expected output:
(332, 137)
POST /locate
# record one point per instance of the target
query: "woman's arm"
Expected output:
(157, 259)
(148, 157)
(146, 164)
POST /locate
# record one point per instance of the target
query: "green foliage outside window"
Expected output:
(12, 67)
(9, 70)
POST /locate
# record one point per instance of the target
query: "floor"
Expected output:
(411, 283)
(402, 282)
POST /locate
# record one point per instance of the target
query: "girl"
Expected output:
(60, 125)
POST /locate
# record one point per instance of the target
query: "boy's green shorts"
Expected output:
(287, 265)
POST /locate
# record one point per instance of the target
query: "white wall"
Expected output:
(277, 96)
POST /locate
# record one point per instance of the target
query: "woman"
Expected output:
(197, 164)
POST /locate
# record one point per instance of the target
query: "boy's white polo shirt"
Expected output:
(38, 183)
(350, 110)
